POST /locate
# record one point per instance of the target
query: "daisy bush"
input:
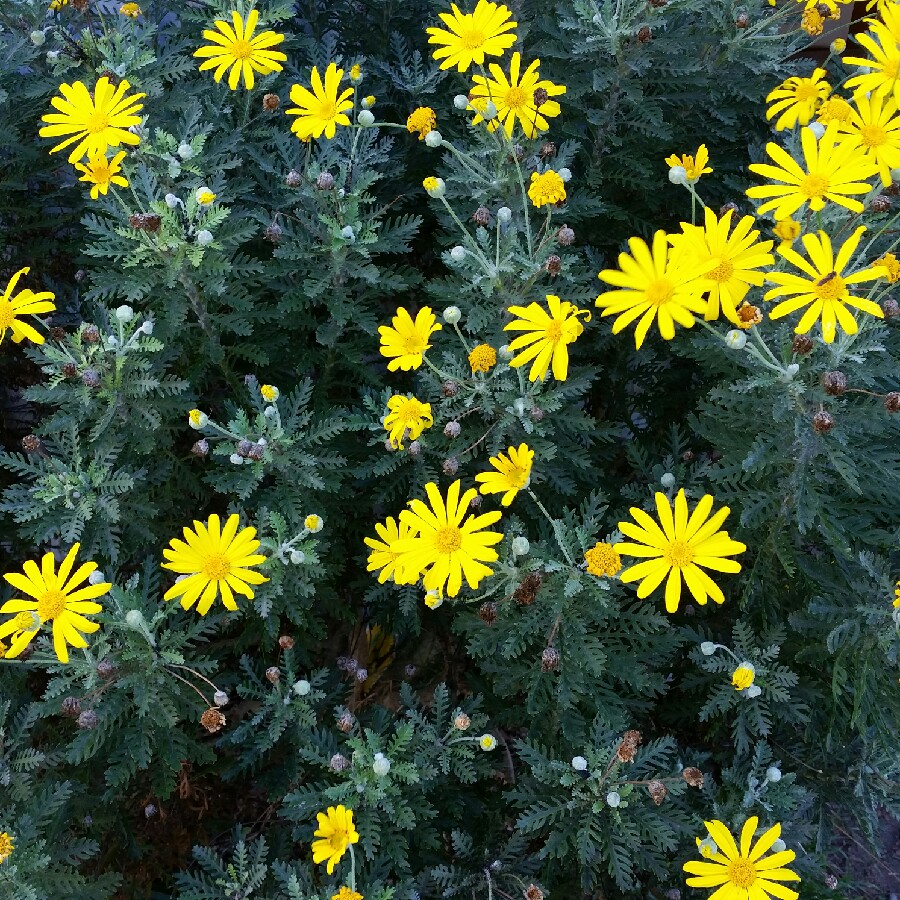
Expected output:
(508, 397)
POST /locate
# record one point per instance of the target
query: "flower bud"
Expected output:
(134, 618)
(124, 313)
(172, 201)
(838, 45)
(38, 38)
(565, 236)
(753, 691)
(778, 846)
(273, 674)
(773, 774)
(707, 648)
(667, 480)
(298, 557)
(435, 187)
(433, 599)
(452, 314)
(52, 56)
(235, 459)
(487, 742)
(504, 215)
(579, 763)
(147, 327)
(381, 764)
(365, 118)
(302, 687)
(461, 101)
(520, 546)
(490, 111)
(737, 340)
(185, 150)
(565, 174)
(433, 139)
(96, 577)
(204, 238)
(817, 128)
(457, 254)
(678, 175)
(613, 799)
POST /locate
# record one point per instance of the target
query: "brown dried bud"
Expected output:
(880, 204)
(70, 707)
(339, 763)
(449, 389)
(890, 308)
(345, 722)
(106, 668)
(414, 449)
(632, 737)
(271, 102)
(488, 613)
(728, 207)
(475, 502)
(69, 370)
(658, 4)
(293, 179)
(481, 216)
(626, 752)
(553, 264)
(273, 674)
(742, 21)
(90, 334)
(822, 422)
(87, 720)
(450, 465)
(834, 383)
(549, 659)
(257, 452)
(673, 894)
(136, 220)
(57, 332)
(645, 35)
(80, 275)
(90, 378)
(212, 720)
(525, 593)
(693, 776)
(533, 892)
(81, 6)
(286, 642)
(243, 448)
(540, 97)
(362, 675)
(548, 149)
(452, 429)
(325, 181)
(658, 791)
(565, 236)
(892, 402)
(824, 10)
(273, 233)
(152, 222)
(892, 190)
(687, 456)
(801, 344)
(31, 443)
(537, 414)
(201, 447)
(461, 722)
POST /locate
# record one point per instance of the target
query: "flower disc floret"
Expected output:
(336, 832)
(321, 107)
(483, 358)
(546, 187)
(742, 677)
(24, 303)
(513, 473)
(469, 37)
(405, 340)
(6, 846)
(421, 120)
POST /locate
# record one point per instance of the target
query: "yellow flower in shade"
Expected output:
(405, 340)
(874, 127)
(101, 172)
(748, 315)
(880, 72)
(735, 256)
(20, 630)
(58, 598)
(839, 45)
(897, 594)
(546, 187)
(487, 742)
(336, 833)
(603, 559)
(742, 677)
(445, 548)
(56, 5)
(434, 599)
(693, 167)
(93, 123)
(514, 97)
(323, 108)
(269, 393)
(233, 46)
(657, 284)
(812, 21)
(213, 559)
(512, 475)
(483, 358)
(406, 418)
(834, 170)
(547, 334)
(355, 72)
(25, 303)
(823, 286)
(679, 547)
(834, 109)
(346, 894)
(384, 556)
(891, 266)
(740, 874)
(6, 846)
(794, 101)
(421, 120)
(313, 523)
(787, 231)
(469, 37)
(132, 10)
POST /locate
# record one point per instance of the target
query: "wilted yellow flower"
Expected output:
(891, 266)
(345, 893)
(6, 846)
(546, 187)
(603, 559)
(748, 315)
(834, 109)
(422, 120)
(812, 21)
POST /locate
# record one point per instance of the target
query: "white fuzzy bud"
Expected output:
(817, 128)
(298, 557)
(667, 480)
(678, 175)
(520, 546)
(452, 315)
(134, 618)
(52, 56)
(519, 406)
(204, 238)
(147, 327)
(381, 765)
(490, 111)
(302, 687)
(38, 38)
(270, 412)
(613, 799)
(96, 577)
(505, 353)
(792, 370)
(504, 215)
(365, 118)
(172, 201)
(124, 313)
(461, 101)
(753, 691)
(220, 698)
(433, 139)
(773, 774)
(737, 340)
(707, 648)
(185, 150)
(778, 846)
(235, 459)
(579, 763)
(565, 174)
(458, 253)
(348, 234)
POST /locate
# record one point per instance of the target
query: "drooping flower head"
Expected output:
(384, 556)
(680, 546)
(234, 46)
(94, 123)
(515, 99)
(654, 284)
(214, 559)
(58, 597)
(787, 231)
(469, 37)
(874, 127)
(546, 187)
(405, 340)
(744, 872)
(796, 99)
(320, 108)
(336, 833)
(446, 549)
(513, 472)
(834, 170)
(101, 172)
(546, 336)
(824, 286)
(407, 418)
(25, 303)
(880, 72)
(694, 166)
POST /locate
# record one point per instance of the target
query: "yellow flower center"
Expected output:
(50, 605)
(414, 343)
(814, 185)
(6, 315)
(515, 97)
(831, 289)
(891, 67)
(98, 122)
(554, 331)
(100, 171)
(448, 539)
(472, 38)
(518, 476)
(678, 554)
(409, 412)
(805, 91)
(241, 49)
(659, 291)
(216, 567)
(741, 873)
(723, 271)
(873, 135)
(328, 109)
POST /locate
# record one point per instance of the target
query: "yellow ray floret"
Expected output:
(214, 559)
(322, 107)
(880, 72)
(405, 340)
(336, 832)
(384, 556)
(513, 472)
(796, 99)
(234, 46)
(874, 127)
(469, 37)
(824, 286)
(25, 303)
(679, 547)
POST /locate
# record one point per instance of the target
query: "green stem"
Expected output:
(352, 868)
(557, 528)
(485, 264)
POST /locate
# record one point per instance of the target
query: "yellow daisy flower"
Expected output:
(132, 10)
(812, 21)
(25, 303)
(336, 833)
(346, 894)
(93, 123)
(835, 169)
(471, 36)
(745, 872)
(20, 629)
(446, 548)
(269, 393)
(422, 120)
(742, 677)
(384, 556)
(874, 127)
(693, 167)
(879, 72)
(546, 187)
(213, 559)
(236, 48)
(406, 418)
(735, 258)
(795, 100)
(6, 846)
(58, 598)
(824, 286)
(603, 559)
(659, 284)
(514, 97)
(101, 172)
(787, 231)
(321, 109)
(679, 547)
(547, 336)
(405, 340)
(512, 475)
